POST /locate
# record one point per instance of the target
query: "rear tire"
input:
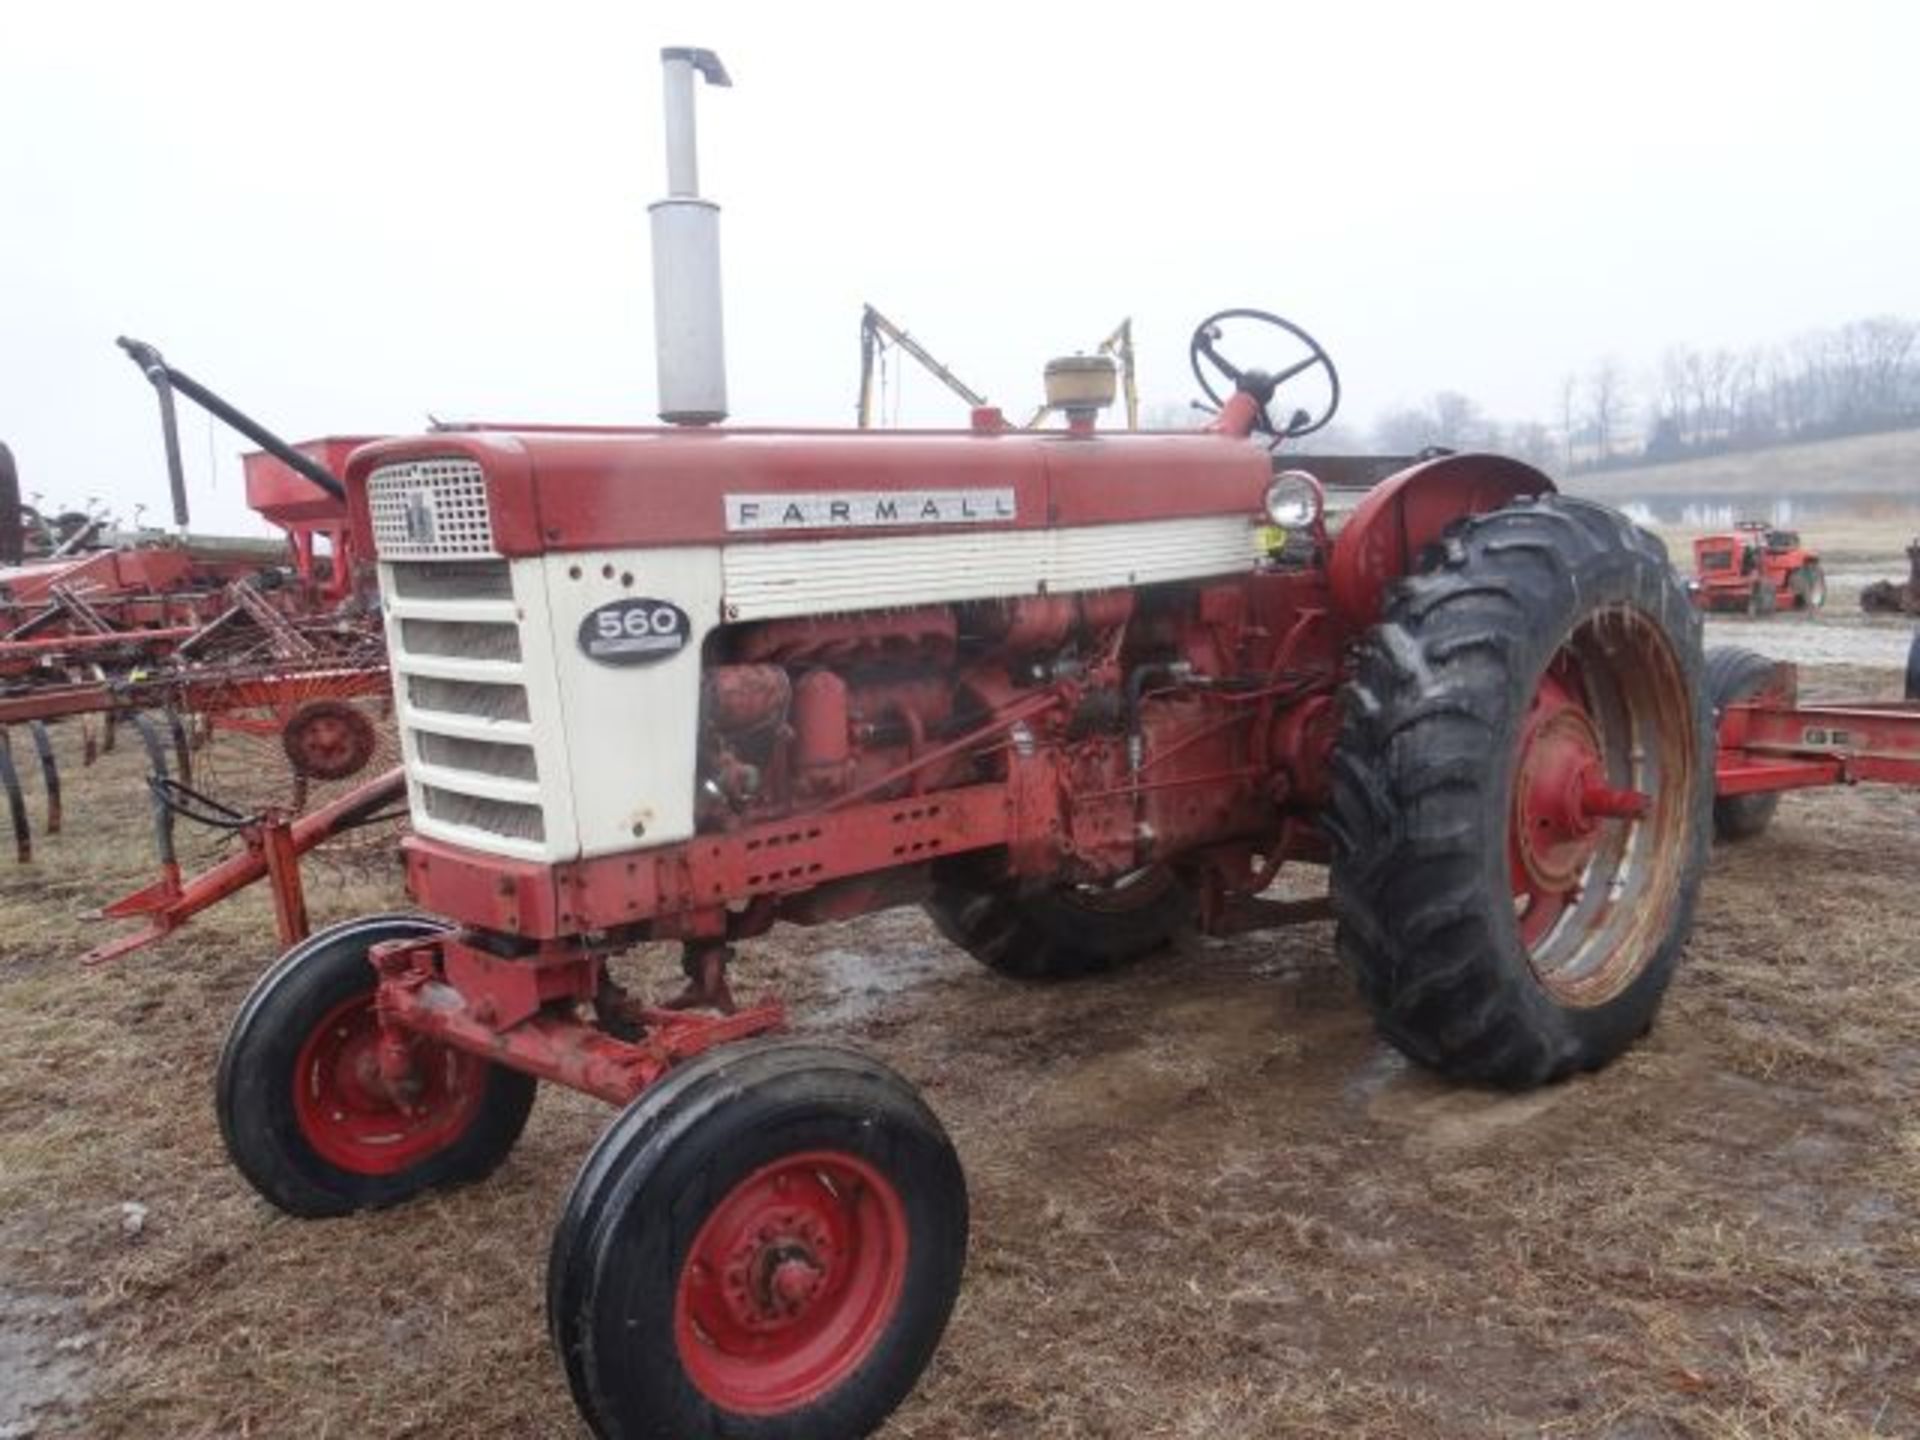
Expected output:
(304, 1120)
(1553, 636)
(766, 1245)
(1731, 675)
(1067, 932)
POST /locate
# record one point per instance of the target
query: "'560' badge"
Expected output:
(634, 632)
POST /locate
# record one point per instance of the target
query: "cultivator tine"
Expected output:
(182, 747)
(16, 801)
(89, 742)
(49, 772)
(157, 788)
(108, 727)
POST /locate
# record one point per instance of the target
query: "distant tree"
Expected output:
(1608, 407)
(1448, 420)
(1534, 443)
(1569, 395)
(1404, 430)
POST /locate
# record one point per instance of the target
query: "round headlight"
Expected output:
(1294, 500)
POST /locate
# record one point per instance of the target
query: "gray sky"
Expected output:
(346, 215)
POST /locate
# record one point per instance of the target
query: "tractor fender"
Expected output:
(1407, 512)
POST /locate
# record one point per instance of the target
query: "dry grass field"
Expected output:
(1208, 1202)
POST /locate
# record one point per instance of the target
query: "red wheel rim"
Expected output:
(355, 1119)
(329, 740)
(791, 1282)
(1603, 770)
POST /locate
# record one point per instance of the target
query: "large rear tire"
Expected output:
(1066, 932)
(1732, 675)
(1508, 919)
(766, 1246)
(304, 1113)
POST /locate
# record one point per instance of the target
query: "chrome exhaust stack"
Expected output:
(689, 338)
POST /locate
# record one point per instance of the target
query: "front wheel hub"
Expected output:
(364, 1113)
(790, 1282)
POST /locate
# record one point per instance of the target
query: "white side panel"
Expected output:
(809, 577)
(629, 732)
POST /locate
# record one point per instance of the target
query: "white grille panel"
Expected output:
(428, 509)
(467, 702)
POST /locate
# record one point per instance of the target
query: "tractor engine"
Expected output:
(1156, 754)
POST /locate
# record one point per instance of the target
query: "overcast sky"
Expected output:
(347, 215)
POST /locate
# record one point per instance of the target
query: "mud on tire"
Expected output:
(1431, 818)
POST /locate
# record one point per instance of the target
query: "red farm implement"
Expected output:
(252, 672)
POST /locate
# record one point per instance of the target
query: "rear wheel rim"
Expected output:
(1608, 733)
(355, 1120)
(791, 1282)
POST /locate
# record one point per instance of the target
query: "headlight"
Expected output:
(1294, 500)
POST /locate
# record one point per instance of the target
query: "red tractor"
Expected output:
(1071, 692)
(1074, 693)
(1757, 569)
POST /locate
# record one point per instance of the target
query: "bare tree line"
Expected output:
(1857, 378)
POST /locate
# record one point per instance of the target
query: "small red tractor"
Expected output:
(1073, 692)
(1757, 568)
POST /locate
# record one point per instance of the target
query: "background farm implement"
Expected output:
(251, 673)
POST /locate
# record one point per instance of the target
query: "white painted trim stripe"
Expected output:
(762, 582)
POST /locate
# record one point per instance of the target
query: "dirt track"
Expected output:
(1207, 1202)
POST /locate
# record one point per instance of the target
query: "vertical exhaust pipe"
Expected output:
(689, 342)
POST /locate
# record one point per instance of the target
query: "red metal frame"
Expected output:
(1772, 745)
(452, 990)
(271, 850)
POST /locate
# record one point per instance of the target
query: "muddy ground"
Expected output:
(1207, 1201)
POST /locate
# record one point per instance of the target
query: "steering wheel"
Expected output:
(1261, 384)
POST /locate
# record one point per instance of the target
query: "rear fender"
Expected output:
(1407, 512)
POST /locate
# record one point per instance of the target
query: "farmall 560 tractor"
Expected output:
(1071, 692)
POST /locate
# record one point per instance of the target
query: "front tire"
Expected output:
(766, 1246)
(1508, 919)
(303, 1112)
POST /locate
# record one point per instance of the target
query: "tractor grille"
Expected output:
(465, 709)
(424, 508)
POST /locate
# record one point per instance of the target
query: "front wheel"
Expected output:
(767, 1245)
(1521, 795)
(305, 1111)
